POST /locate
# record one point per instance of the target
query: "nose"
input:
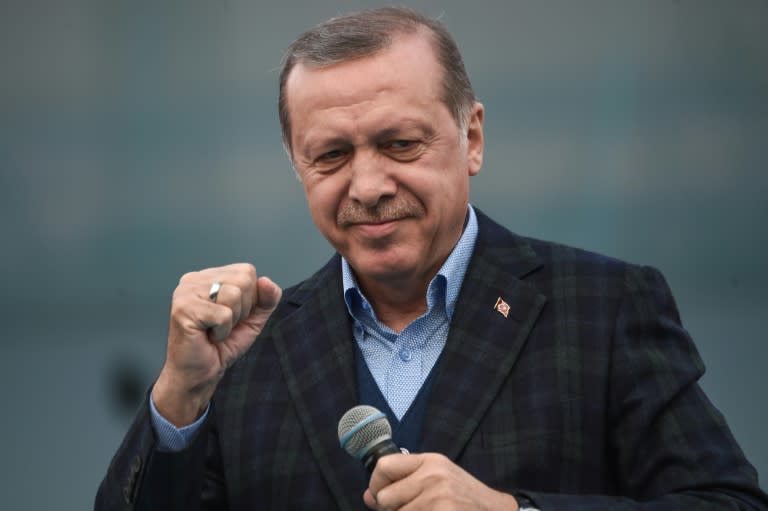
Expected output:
(370, 179)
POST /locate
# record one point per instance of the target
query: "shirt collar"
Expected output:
(448, 278)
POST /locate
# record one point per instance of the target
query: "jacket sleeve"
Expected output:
(142, 478)
(672, 449)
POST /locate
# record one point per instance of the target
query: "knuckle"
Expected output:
(246, 269)
(175, 312)
(187, 277)
(232, 300)
(249, 270)
(179, 306)
(187, 324)
(240, 283)
(384, 464)
(435, 457)
(384, 499)
(436, 462)
(181, 291)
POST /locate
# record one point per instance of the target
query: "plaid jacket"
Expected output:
(584, 396)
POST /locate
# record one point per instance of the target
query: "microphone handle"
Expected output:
(377, 451)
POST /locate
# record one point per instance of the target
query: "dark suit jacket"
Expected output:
(584, 397)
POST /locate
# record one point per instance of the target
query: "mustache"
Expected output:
(386, 210)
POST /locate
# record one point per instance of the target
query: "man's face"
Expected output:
(383, 163)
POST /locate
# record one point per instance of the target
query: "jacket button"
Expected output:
(135, 465)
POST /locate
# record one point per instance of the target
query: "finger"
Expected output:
(193, 315)
(246, 300)
(243, 275)
(238, 285)
(192, 311)
(231, 296)
(369, 500)
(400, 493)
(391, 468)
(220, 322)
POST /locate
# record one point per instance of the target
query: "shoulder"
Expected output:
(560, 266)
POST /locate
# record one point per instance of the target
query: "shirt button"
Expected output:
(405, 355)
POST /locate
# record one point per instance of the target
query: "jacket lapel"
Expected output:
(315, 348)
(483, 343)
(314, 345)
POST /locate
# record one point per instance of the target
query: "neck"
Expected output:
(397, 303)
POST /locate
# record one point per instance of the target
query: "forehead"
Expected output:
(408, 67)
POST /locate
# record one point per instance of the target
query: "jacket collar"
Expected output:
(483, 343)
(316, 352)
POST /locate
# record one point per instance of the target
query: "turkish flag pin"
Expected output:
(501, 307)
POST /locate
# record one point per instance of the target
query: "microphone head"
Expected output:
(362, 428)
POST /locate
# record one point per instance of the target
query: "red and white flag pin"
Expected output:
(501, 307)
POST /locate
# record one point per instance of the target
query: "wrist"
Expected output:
(177, 404)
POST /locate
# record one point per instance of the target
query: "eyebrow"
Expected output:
(390, 133)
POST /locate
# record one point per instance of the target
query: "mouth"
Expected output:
(376, 228)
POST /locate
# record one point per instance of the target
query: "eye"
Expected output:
(331, 155)
(401, 144)
(404, 150)
(332, 159)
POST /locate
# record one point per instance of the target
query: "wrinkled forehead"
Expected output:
(408, 68)
(410, 59)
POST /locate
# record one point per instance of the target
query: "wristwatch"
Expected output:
(524, 503)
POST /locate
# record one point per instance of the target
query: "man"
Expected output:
(521, 374)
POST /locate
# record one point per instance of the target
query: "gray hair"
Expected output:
(365, 33)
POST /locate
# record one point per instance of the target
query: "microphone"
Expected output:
(365, 433)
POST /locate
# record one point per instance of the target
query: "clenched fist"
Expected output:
(206, 337)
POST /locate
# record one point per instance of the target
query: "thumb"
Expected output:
(267, 295)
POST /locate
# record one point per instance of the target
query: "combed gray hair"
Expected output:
(365, 33)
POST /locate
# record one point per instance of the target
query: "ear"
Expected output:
(475, 139)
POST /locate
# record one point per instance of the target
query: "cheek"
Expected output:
(438, 189)
(323, 200)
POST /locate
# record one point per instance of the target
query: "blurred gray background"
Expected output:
(139, 140)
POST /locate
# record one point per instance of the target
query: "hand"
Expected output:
(205, 338)
(429, 482)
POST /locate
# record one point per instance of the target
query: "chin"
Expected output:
(378, 266)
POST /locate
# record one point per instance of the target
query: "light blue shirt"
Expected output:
(400, 363)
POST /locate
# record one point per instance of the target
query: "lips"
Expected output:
(376, 221)
(376, 229)
(369, 220)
